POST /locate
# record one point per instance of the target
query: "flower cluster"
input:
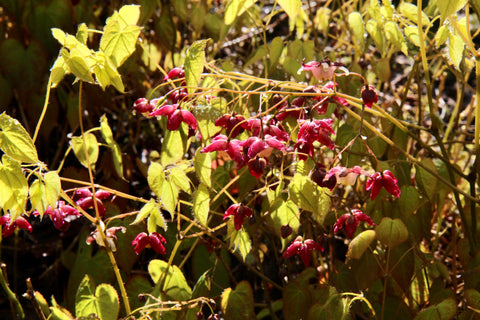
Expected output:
(350, 222)
(9, 226)
(110, 237)
(154, 240)
(302, 248)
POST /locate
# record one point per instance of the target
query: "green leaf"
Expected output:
(391, 232)
(201, 204)
(173, 147)
(120, 34)
(395, 37)
(449, 7)
(238, 240)
(206, 112)
(42, 303)
(360, 243)
(275, 51)
(235, 8)
(82, 33)
(442, 35)
(13, 186)
(456, 46)
(375, 31)
(238, 303)
(92, 149)
(106, 73)
(175, 285)
(15, 140)
(108, 137)
(308, 196)
(37, 197)
(156, 177)
(102, 300)
(203, 167)
(427, 183)
(357, 28)
(151, 210)
(445, 310)
(179, 177)
(58, 71)
(169, 195)
(473, 298)
(411, 12)
(285, 213)
(44, 192)
(297, 299)
(291, 7)
(78, 64)
(194, 63)
(411, 32)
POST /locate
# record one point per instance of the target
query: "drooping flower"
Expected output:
(239, 212)
(154, 241)
(350, 222)
(345, 176)
(62, 215)
(311, 131)
(110, 237)
(234, 124)
(295, 110)
(379, 180)
(231, 147)
(86, 199)
(175, 116)
(302, 248)
(9, 227)
(256, 166)
(142, 105)
(261, 147)
(271, 127)
(319, 176)
(369, 96)
(175, 73)
(324, 69)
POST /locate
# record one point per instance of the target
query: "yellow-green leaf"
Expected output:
(411, 12)
(285, 213)
(58, 71)
(169, 195)
(102, 300)
(52, 187)
(449, 7)
(360, 243)
(108, 137)
(38, 199)
(442, 35)
(291, 7)
(179, 177)
(175, 285)
(355, 22)
(149, 210)
(120, 34)
(194, 63)
(13, 186)
(82, 33)
(78, 65)
(203, 167)
(411, 32)
(377, 34)
(456, 46)
(92, 149)
(235, 8)
(173, 147)
(395, 37)
(15, 140)
(238, 240)
(156, 178)
(201, 204)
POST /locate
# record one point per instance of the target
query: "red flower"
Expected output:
(351, 221)
(9, 227)
(302, 248)
(234, 124)
(319, 176)
(345, 176)
(109, 237)
(231, 147)
(175, 116)
(261, 147)
(369, 96)
(143, 106)
(379, 180)
(256, 166)
(175, 73)
(154, 241)
(311, 131)
(86, 199)
(239, 212)
(61, 215)
(271, 126)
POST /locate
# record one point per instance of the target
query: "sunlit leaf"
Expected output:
(156, 177)
(456, 46)
(173, 147)
(169, 195)
(411, 32)
(102, 300)
(201, 204)
(194, 63)
(395, 37)
(92, 149)
(13, 186)
(82, 33)
(116, 152)
(449, 7)
(15, 140)
(442, 35)
(235, 8)
(174, 283)
(411, 12)
(355, 22)
(37, 197)
(206, 112)
(391, 232)
(291, 7)
(203, 167)
(179, 177)
(376, 32)
(238, 303)
(285, 213)
(238, 240)
(120, 34)
(360, 243)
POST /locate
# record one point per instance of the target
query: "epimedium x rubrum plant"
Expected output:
(262, 169)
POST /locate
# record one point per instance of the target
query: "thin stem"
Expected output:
(44, 110)
(11, 295)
